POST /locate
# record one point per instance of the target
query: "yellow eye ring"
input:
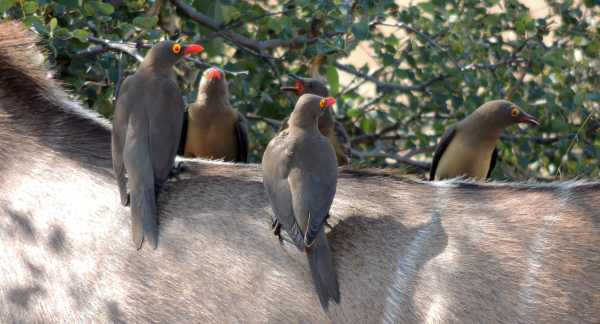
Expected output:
(514, 112)
(323, 103)
(176, 48)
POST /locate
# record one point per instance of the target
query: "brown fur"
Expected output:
(405, 251)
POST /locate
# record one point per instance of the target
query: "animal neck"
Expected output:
(211, 102)
(305, 124)
(483, 126)
(326, 121)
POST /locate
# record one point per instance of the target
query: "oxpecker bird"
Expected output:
(469, 147)
(146, 129)
(213, 129)
(300, 175)
(330, 128)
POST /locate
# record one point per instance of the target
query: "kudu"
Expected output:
(406, 251)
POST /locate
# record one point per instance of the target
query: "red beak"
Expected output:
(214, 73)
(298, 87)
(329, 101)
(527, 118)
(193, 49)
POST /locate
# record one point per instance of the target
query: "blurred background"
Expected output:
(401, 71)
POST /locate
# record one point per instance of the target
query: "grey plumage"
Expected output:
(300, 176)
(146, 129)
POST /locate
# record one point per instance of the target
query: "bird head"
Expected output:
(308, 108)
(213, 80)
(505, 113)
(167, 53)
(307, 85)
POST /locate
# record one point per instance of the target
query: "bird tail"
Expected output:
(144, 218)
(323, 273)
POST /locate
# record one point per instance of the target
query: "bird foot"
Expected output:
(276, 226)
(125, 199)
(177, 169)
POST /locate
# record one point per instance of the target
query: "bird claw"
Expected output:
(177, 169)
(328, 225)
(276, 226)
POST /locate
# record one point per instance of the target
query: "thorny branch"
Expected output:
(132, 49)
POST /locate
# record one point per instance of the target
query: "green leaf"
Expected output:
(53, 23)
(353, 112)
(230, 13)
(361, 30)
(93, 8)
(62, 33)
(6, 4)
(594, 96)
(30, 7)
(333, 79)
(427, 7)
(81, 34)
(35, 22)
(145, 22)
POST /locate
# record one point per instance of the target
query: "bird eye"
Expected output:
(323, 103)
(176, 48)
(514, 112)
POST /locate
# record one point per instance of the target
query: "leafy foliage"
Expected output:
(431, 64)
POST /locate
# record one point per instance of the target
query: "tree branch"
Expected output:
(127, 48)
(272, 122)
(535, 139)
(256, 45)
(132, 50)
(387, 86)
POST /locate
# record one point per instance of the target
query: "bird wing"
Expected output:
(313, 188)
(440, 149)
(492, 162)
(276, 168)
(119, 132)
(241, 135)
(166, 118)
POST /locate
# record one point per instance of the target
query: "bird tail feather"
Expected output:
(323, 273)
(144, 218)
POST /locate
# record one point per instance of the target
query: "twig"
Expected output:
(127, 48)
(558, 170)
(272, 122)
(132, 50)
(201, 63)
(372, 137)
(411, 29)
(536, 139)
(240, 40)
(386, 86)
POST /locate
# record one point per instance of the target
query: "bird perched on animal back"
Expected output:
(214, 130)
(146, 129)
(469, 147)
(300, 176)
(330, 128)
